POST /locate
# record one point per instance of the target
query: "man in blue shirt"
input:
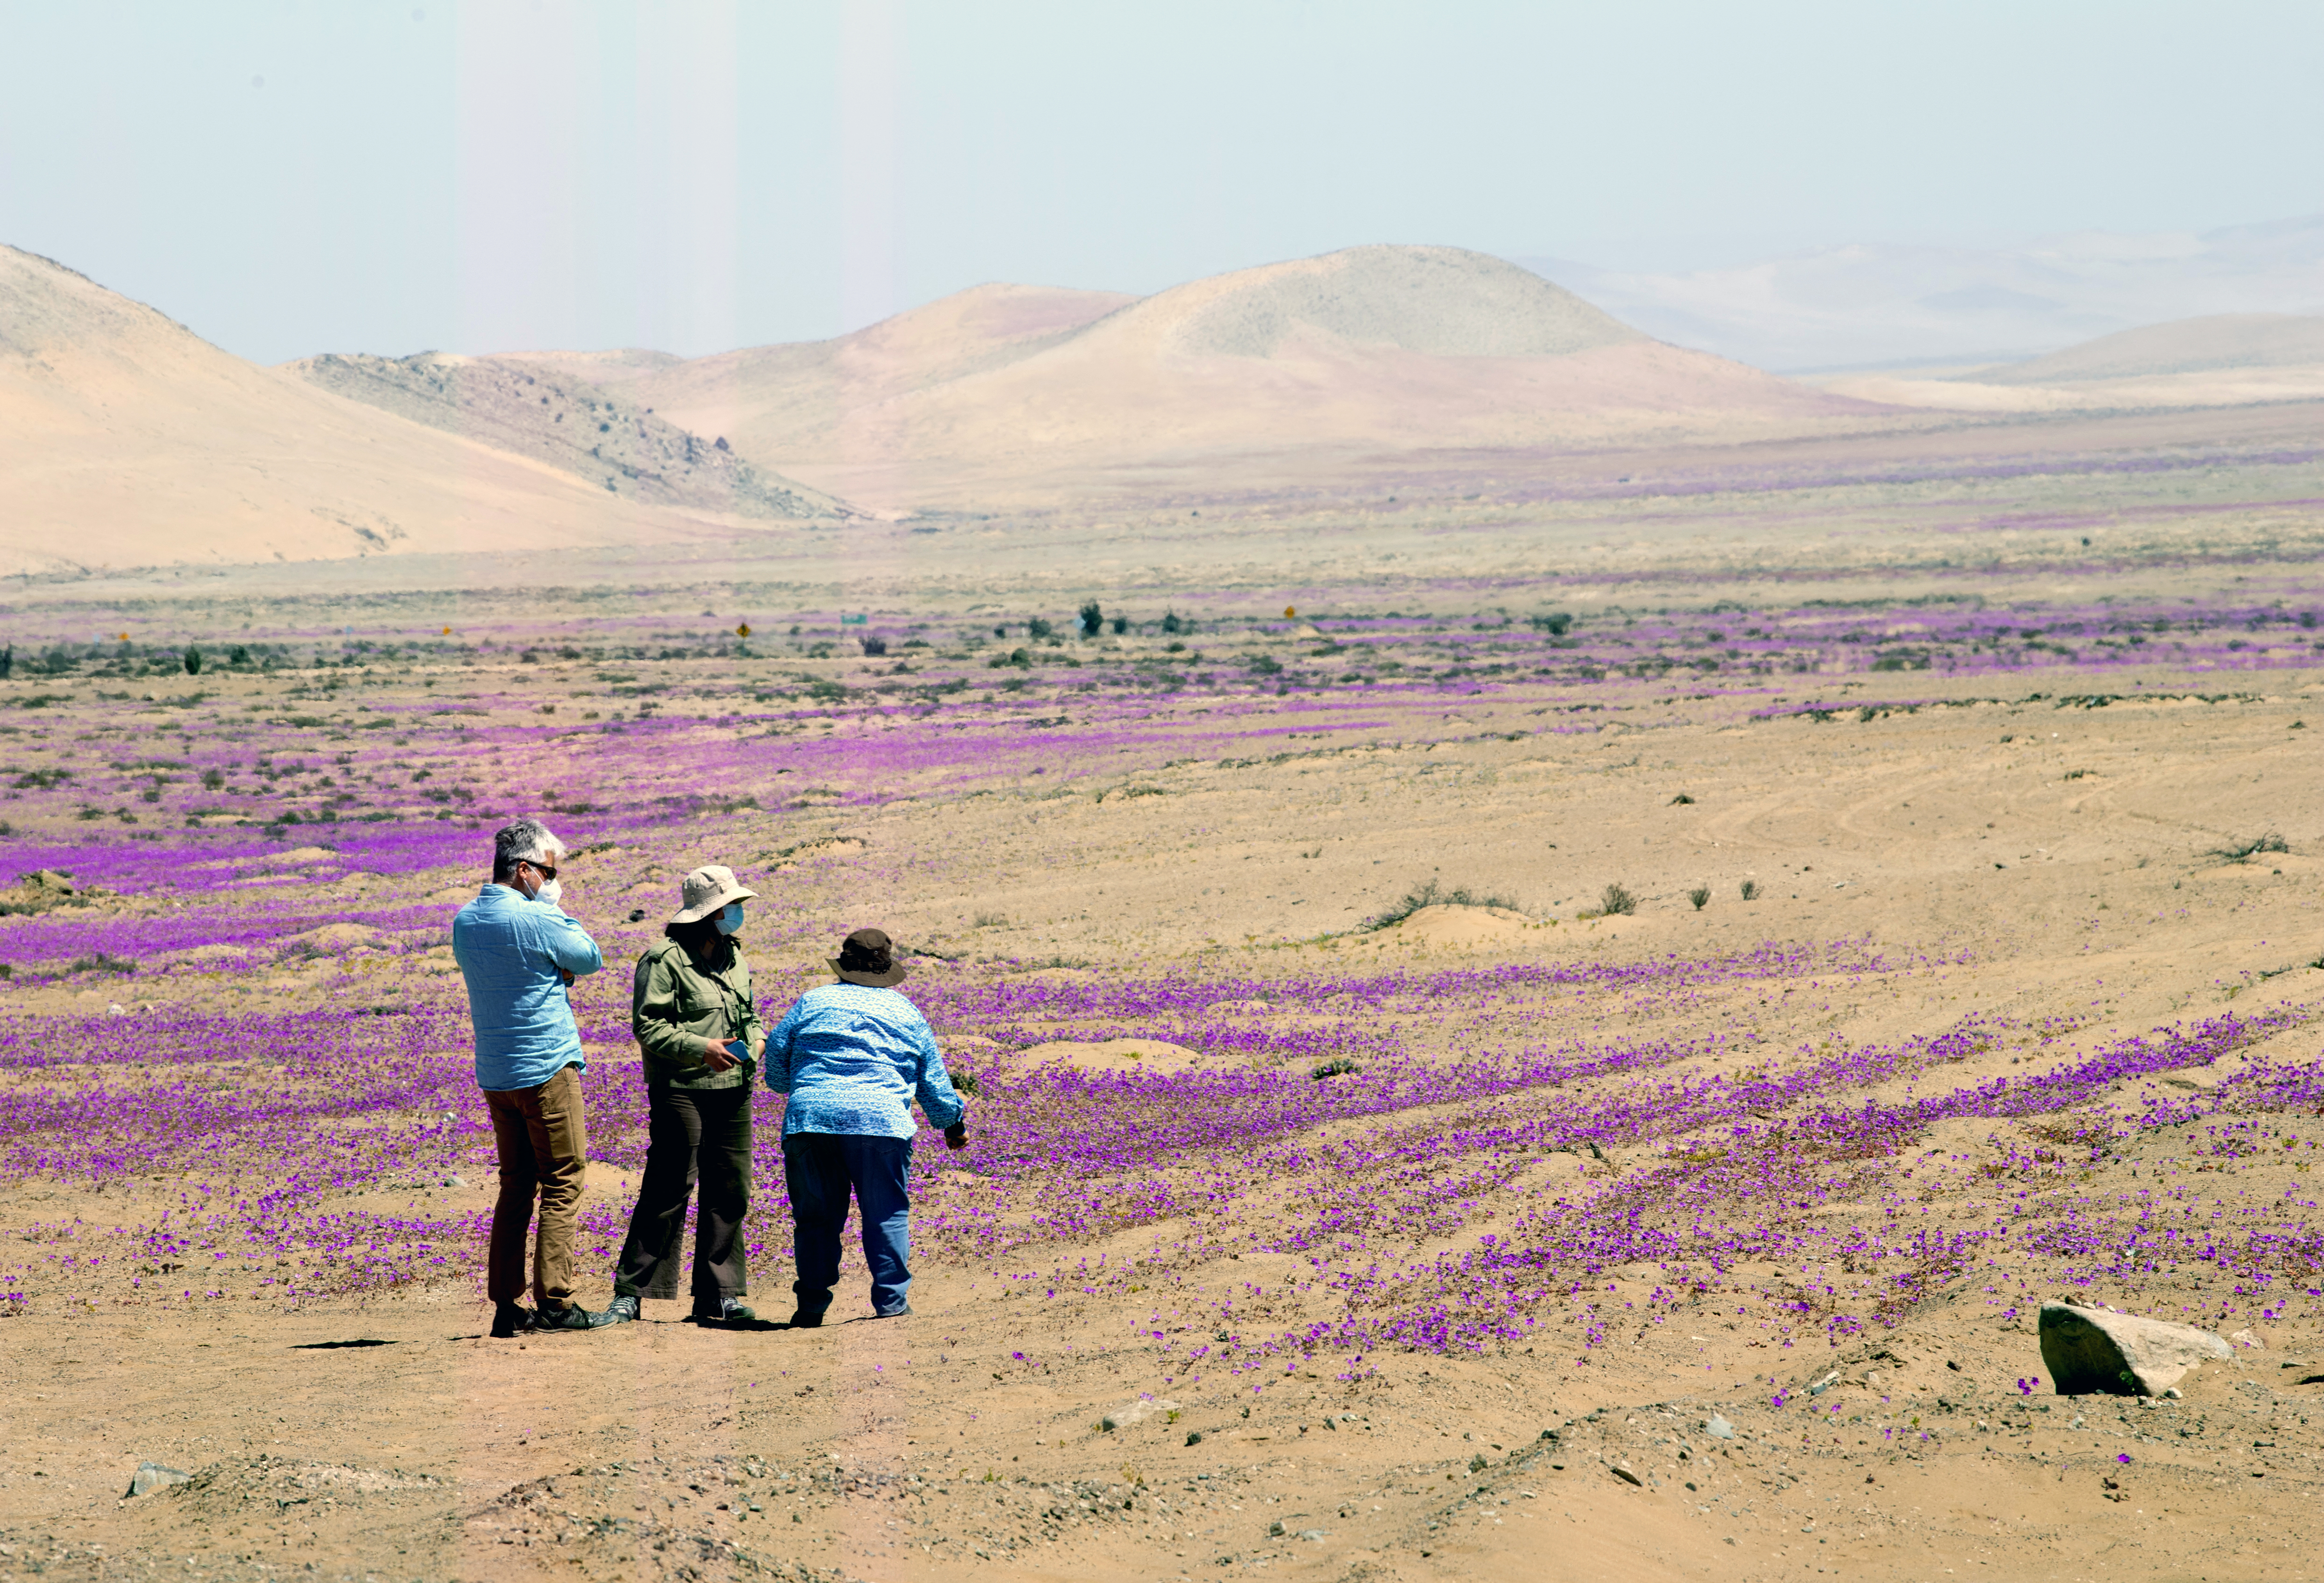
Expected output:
(519, 951)
(852, 1056)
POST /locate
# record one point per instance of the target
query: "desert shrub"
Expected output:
(1554, 623)
(965, 1083)
(1038, 627)
(824, 690)
(1172, 622)
(1093, 620)
(1431, 894)
(1337, 1066)
(2244, 851)
(1616, 901)
(1700, 896)
(1681, 799)
(1017, 657)
(875, 645)
(1121, 625)
(192, 662)
(7, 662)
(104, 961)
(1265, 665)
(1750, 888)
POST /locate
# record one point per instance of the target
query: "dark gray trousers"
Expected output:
(692, 1135)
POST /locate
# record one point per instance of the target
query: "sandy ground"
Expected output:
(386, 1437)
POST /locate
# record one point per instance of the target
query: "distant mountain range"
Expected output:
(127, 440)
(1013, 393)
(1888, 307)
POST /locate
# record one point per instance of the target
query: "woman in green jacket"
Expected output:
(691, 1009)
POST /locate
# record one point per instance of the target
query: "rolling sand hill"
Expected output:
(591, 433)
(1006, 393)
(2218, 360)
(127, 440)
(2213, 344)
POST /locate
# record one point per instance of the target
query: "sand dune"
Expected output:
(127, 440)
(2217, 360)
(2212, 343)
(1009, 393)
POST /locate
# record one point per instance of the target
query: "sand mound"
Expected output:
(1113, 1055)
(2214, 342)
(127, 440)
(1449, 928)
(1009, 392)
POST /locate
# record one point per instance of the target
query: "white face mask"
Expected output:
(552, 891)
(731, 919)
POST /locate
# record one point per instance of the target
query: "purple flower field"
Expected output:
(1550, 1152)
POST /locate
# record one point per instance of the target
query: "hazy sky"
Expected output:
(339, 175)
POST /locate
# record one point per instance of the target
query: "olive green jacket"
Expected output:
(675, 1004)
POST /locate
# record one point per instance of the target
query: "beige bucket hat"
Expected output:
(708, 890)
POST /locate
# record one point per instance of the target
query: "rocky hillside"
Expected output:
(570, 425)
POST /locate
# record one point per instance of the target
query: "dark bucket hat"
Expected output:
(869, 957)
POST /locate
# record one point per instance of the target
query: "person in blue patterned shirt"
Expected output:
(852, 1056)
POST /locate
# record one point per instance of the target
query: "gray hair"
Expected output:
(528, 840)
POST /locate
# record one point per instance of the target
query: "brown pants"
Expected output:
(543, 1136)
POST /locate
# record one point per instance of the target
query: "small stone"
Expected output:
(1195, 1437)
(1621, 1471)
(1315, 1534)
(2245, 1339)
(117, 1009)
(2091, 1350)
(153, 1476)
(1275, 1530)
(1719, 1428)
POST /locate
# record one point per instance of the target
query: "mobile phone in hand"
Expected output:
(738, 1049)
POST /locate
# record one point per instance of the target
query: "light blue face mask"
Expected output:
(731, 919)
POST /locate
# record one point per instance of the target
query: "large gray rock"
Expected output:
(152, 1475)
(2097, 1349)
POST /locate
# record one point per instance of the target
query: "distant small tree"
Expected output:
(7, 661)
(193, 662)
(875, 645)
(1121, 625)
(1093, 620)
(1171, 624)
(1038, 627)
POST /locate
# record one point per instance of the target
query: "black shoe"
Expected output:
(511, 1319)
(620, 1311)
(725, 1311)
(804, 1321)
(903, 1312)
(572, 1318)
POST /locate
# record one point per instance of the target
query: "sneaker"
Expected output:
(804, 1321)
(725, 1311)
(620, 1311)
(511, 1319)
(573, 1317)
(903, 1312)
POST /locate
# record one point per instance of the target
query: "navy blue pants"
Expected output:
(820, 1169)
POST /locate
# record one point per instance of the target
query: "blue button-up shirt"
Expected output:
(852, 1058)
(509, 950)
